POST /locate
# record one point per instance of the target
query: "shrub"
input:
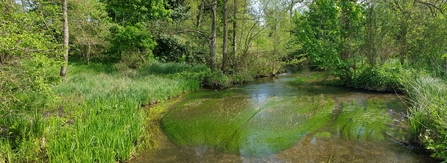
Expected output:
(382, 79)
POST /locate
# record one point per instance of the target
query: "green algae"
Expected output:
(235, 125)
(323, 135)
(367, 122)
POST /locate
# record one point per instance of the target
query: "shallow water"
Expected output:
(284, 119)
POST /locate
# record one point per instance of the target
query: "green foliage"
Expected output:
(89, 27)
(99, 118)
(327, 33)
(176, 70)
(105, 129)
(27, 85)
(217, 79)
(427, 114)
(385, 78)
(107, 124)
(132, 44)
(171, 49)
(135, 11)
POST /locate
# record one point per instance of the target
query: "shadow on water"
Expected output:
(284, 119)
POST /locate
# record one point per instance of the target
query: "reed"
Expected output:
(428, 112)
(98, 117)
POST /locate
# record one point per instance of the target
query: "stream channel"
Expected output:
(289, 118)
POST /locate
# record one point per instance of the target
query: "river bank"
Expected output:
(97, 115)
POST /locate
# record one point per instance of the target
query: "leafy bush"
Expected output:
(378, 79)
(217, 79)
(170, 49)
(131, 43)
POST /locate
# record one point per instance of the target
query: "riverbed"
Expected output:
(289, 118)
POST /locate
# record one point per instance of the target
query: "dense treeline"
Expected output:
(371, 44)
(384, 46)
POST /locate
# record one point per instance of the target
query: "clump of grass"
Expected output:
(428, 112)
(98, 117)
(21, 140)
(107, 125)
(170, 68)
(104, 130)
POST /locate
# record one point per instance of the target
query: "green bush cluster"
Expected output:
(384, 79)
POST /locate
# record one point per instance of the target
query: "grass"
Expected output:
(98, 115)
(428, 112)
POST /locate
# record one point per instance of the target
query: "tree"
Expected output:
(89, 27)
(63, 71)
(131, 40)
(225, 56)
(235, 10)
(212, 62)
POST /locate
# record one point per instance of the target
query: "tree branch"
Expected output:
(430, 5)
(192, 31)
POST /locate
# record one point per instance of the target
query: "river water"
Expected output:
(285, 119)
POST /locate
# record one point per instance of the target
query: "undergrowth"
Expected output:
(428, 112)
(97, 115)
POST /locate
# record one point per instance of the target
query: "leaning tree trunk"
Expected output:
(63, 71)
(213, 36)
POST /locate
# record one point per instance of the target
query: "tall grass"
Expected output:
(104, 130)
(428, 112)
(98, 117)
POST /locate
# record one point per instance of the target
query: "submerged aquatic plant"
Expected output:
(367, 122)
(236, 126)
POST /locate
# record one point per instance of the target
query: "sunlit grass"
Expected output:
(98, 117)
(428, 112)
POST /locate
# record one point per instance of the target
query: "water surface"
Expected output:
(284, 119)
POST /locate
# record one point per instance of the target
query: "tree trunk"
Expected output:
(199, 16)
(213, 36)
(89, 49)
(233, 55)
(403, 42)
(225, 37)
(63, 71)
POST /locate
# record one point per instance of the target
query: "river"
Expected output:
(290, 118)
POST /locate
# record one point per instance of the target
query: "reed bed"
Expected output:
(428, 112)
(98, 115)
